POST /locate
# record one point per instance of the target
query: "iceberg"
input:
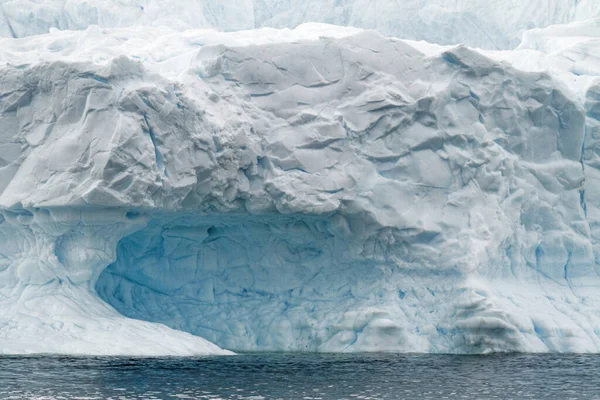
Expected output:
(489, 24)
(317, 189)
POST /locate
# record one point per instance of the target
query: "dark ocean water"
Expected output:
(303, 376)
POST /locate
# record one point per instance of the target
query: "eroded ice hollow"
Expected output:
(322, 189)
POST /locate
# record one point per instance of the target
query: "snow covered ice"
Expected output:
(489, 24)
(323, 188)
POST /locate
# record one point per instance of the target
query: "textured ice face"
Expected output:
(50, 263)
(324, 188)
(490, 24)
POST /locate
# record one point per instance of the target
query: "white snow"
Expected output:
(323, 188)
(489, 24)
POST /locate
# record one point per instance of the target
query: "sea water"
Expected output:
(303, 376)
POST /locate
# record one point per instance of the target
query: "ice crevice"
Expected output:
(7, 22)
(384, 196)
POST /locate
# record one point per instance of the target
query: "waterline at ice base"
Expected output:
(323, 189)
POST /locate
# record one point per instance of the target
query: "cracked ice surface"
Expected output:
(322, 189)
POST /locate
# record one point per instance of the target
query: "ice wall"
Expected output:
(489, 24)
(322, 189)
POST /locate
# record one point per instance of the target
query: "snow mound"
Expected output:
(323, 189)
(490, 24)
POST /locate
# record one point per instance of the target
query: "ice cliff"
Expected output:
(490, 24)
(321, 189)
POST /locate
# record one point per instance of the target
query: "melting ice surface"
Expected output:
(320, 189)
